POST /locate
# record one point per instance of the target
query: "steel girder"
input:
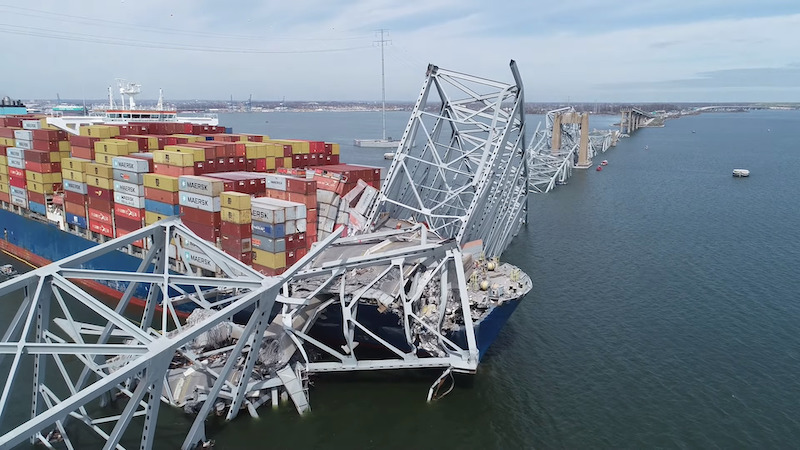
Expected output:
(107, 354)
(460, 167)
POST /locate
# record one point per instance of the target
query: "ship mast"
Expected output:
(382, 42)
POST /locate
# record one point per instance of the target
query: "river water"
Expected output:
(664, 310)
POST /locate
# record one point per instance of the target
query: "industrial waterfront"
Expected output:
(663, 311)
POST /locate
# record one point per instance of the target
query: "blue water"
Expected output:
(664, 310)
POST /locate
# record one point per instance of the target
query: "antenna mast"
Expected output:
(382, 42)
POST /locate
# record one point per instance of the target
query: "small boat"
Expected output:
(646, 147)
(7, 270)
(388, 155)
(561, 183)
(599, 168)
(741, 173)
(694, 131)
(604, 163)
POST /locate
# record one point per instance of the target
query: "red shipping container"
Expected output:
(15, 122)
(4, 196)
(74, 197)
(131, 213)
(301, 185)
(100, 204)
(102, 228)
(37, 197)
(79, 209)
(235, 246)
(49, 135)
(127, 223)
(170, 198)
(142, 142)
(291, 257)
(292, 242)
(3, 150)
(311, 215)
(236, 231)
(83, 141)
(43, 167)
(15, 172)
(311, 230)
(205, 231)
(213, 219)
(101, 216)
(101, 193)
(48, 146)
(173, 171)
(82, 152)
(17, 182)
(310, 200)
(122, 232)
(278, 163)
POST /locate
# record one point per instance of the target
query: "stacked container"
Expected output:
(235, 229)
(5, 191)
(100, 187)
(199, 199)
(129, 197)
(15, 157)
(43, 165)
(160, 197)
(76, 199)
(276, 235)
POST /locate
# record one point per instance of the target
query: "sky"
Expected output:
(328, 50)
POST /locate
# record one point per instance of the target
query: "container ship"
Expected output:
(67, 184)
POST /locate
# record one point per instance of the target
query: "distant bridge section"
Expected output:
(633, 119)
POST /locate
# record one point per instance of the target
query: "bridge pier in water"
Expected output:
(633, 119)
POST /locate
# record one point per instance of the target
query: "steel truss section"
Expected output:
(96, 355)
(460, 167)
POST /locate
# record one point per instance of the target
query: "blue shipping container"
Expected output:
(38, 208)
(269, 230)
(76, 220)
(164, 209)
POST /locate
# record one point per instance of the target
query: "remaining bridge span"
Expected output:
(633, 119)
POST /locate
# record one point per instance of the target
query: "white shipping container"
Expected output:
(129, 188)
(267, 213)
(32, 124)
(294, 210)
(326, 224)
(19, 201)
(75, 186)
(302, 224)
(15, 152)
(130, 164)
(19, 163)
(366, 200)
(201, 185)
(328, 197)
(204, 202)
(19, 192)
(129, 200)
(22, 143)
(290, 226)
(326, 210)
(197, 259)
(23, 134)
(128, 176)
(276, 182)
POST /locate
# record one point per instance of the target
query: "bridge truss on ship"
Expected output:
(460, 167)
(101, 373)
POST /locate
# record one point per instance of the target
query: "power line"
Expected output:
(48, 15)
(104, 40)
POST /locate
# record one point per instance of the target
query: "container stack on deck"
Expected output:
(263, 201)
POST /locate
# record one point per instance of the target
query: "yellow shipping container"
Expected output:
(271, 164)
(298, 147)
(104, 183)
(4, 187)
(334, 148)
(63, 146)
(116, 147)
(287, 162)
(100, 170)
(267, 259)
(199, 153)
(46, 188)
(43, 177)
(55, 156)
(256, 149)
(275, 150)
(3, 160)
(74, 175)
(101, 131)
(159, 181)
(191, 137)
(152, 143)
(237, 216)
(7, 142)
(3, 178)
(102, 158)
(173, 158)
(3, 169)
(64, 154)
(150, 217)
(77, 164)
(235, 200)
